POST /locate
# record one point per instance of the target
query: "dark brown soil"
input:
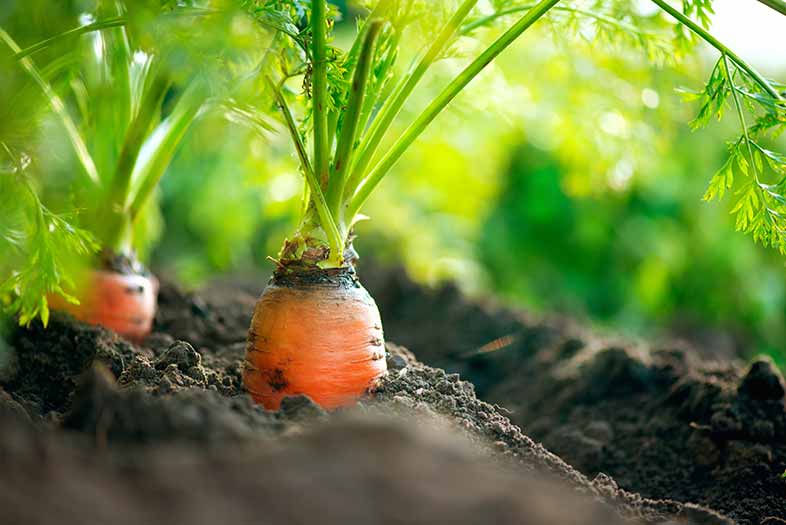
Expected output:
(350, 470)
(95, 430)
(665, 422)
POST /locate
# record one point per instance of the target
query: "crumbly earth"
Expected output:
(94, 429)
(668, 421)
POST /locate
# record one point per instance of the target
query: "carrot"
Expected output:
(125, 303)
(317, 333)
(315, 330)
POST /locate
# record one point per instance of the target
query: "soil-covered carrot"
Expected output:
(317, 333)
(121, 299)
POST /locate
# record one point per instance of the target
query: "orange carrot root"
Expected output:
(320, 339)
(125, 303)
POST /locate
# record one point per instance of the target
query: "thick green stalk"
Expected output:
(157, 151)
(393, 105)
(115, 222)
(441, 102)
(385, 88)
(345, 146)
(332, 126)
(116, 72)
(714, 42)
(379, 12)
(351, 63)
(335, 240)
(320, 90)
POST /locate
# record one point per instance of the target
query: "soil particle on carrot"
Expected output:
(276, 379)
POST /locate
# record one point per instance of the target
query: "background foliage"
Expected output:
(566, 178)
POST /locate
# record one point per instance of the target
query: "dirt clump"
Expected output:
(412, 386)
(667, 421)
(349, 470)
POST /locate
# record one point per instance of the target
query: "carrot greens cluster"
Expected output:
(122, 115)
(343, 130)
(351, 100)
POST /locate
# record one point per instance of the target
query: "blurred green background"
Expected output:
(565, 179)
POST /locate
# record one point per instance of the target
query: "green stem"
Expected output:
(351, 63)
(328, 224)
(379, 12)
(740, 114)
(345, 145)
(714, 42)
(480, 22)
(289, 120)
(441, 102)
(383, 90)
(71, 33)
(159, 149)
(778, 5)
(393, 105)
(332, 126)
(320, 87)
(117, 196)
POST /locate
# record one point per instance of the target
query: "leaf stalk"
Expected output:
(714, 42)
(441, 102)
(318, 198)
(320, 90)
(395, 102)
(345, 146)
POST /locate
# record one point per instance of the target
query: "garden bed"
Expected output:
(669, 421)
(93, 428)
